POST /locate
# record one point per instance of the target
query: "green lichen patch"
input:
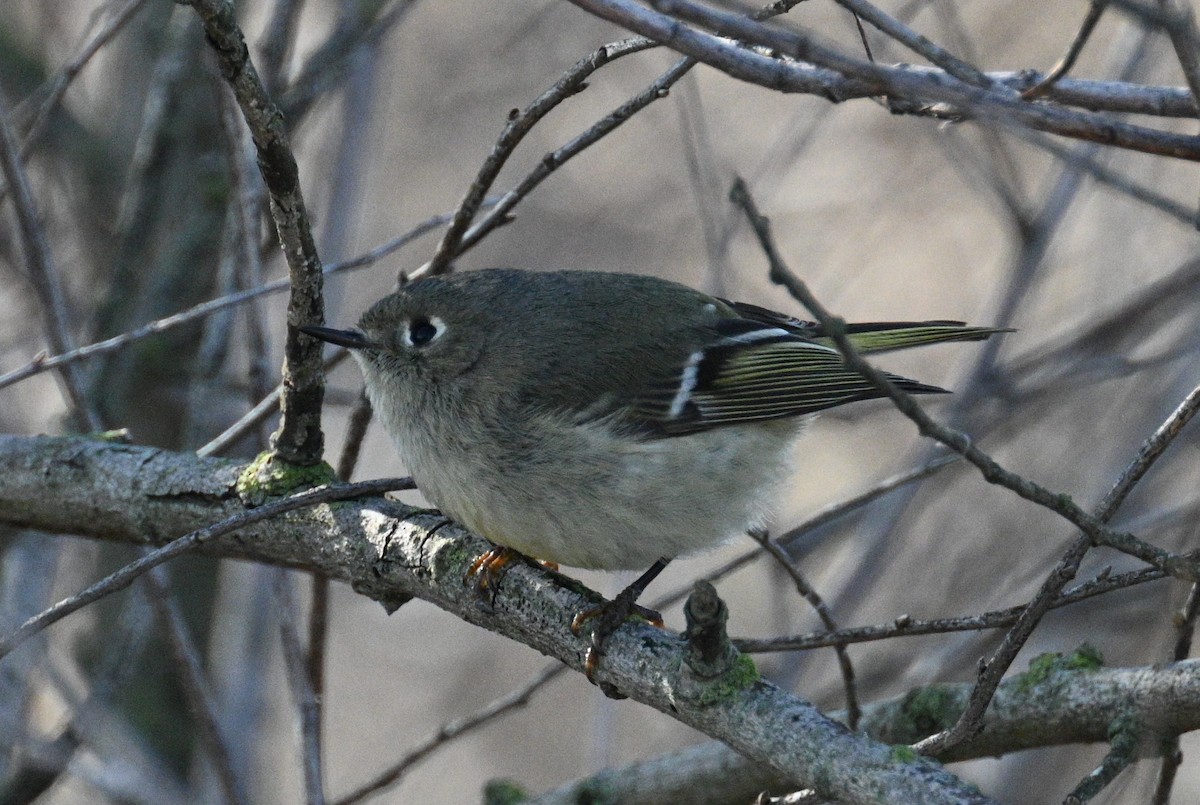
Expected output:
(903, 753)
(929, 710)
(1085, 658)
(741, 675)
(269, 477)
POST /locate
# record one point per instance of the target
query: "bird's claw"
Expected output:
(608, 618)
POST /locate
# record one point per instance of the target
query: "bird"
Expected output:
(599, 420)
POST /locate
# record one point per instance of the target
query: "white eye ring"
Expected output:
(420, 331)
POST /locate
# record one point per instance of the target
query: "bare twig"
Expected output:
(904, 626)
(359, 25)
(249, 199)
(126, 575)
(264, 409)
(915, 42)
(165, 77)
(1180, 25)
(1123, 746)
(278, 38)
(499, 215)
(42, 272)
(853, 713)
(299, 439)
(451, 730)
(1077, 160)
(1064, 65)
(318, 616)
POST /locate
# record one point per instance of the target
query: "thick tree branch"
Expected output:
(390, 552)
(1050, 705)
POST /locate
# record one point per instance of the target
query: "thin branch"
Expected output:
(318, 615)
(452, 730)
(264, 409)
(277, 40)
(936, 54)
(1122, 753)
(1102, 173)
(299, 439)
(499, 215)
(129, 573)
(43, 272)
(905, 626)
(248, 200)
(359, 25)
(853, 713)
(258, 414)
(1179, 22)
(571, 83)
(166, 76)
(1064, 65)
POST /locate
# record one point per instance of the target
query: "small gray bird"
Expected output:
(598, 420)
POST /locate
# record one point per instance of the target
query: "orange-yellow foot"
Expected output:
(608, 618)
(487, 571)
(489, 568)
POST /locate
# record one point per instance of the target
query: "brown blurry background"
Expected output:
(885, 216)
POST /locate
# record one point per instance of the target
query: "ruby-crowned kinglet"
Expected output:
(601, 420)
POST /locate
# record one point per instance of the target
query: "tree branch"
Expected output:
(390, 552)
(1050, 705)
(837, 78)
(299, 439)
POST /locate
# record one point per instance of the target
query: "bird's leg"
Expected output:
(611, 615)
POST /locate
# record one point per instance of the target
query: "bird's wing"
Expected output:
(753, 370)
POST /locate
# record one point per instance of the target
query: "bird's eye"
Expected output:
(422, 330)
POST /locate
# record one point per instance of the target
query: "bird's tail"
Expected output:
(883, 336)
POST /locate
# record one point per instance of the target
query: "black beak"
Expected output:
(351, 339)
